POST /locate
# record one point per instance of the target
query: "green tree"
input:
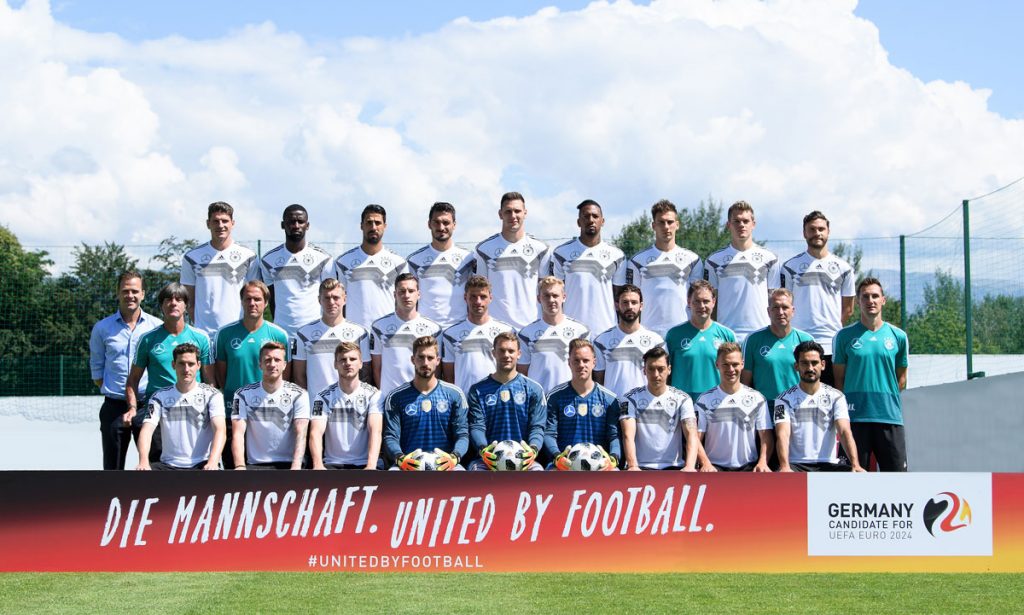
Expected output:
(22, 276)
(165, 267)
(701, 229)
(999, 325)
(937, 325)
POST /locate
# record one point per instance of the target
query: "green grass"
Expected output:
(520, 593)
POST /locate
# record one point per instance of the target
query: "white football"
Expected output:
(511, 456)
(586, 457)
(428, 461)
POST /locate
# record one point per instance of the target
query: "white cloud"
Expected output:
(791, 105)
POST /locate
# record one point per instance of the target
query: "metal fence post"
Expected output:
(968, 300)
(903, 282)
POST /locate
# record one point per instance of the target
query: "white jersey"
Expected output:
(664, 279)
(186, 430)
(620, 356)
(545, 348)
(269, 420)
(588, 274)
(218, 277)
(369, 283)
(812, 422)
(743, 279)
(391, 338)
(659, 425)
(730, 424)
(469, 347)
(442, 276)
(296, 281)
(315, 342)
(818, 287)
(346, 439)
(513, 269)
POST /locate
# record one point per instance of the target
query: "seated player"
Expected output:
(808, 417)
(270, 418)
(425, 415)
(506, 406)
(656, 420)
(582, 411)
(346, 420)
(192, 418)
(733, 420)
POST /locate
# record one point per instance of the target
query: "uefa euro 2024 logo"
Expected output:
(945, 513)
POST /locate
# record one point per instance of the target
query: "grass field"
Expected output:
(519, 593)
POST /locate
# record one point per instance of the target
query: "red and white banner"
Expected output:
(545, 522)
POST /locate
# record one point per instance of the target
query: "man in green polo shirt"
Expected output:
(693, 345)
(870, 359)
(238, 348)
(768, 353)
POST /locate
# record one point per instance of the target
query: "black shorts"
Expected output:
(885, 441)
(819, 467)
(744, 468)
(159, 465)
(274, 465)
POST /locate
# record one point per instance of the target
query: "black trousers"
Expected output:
(114, 435)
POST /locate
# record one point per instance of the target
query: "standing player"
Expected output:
(314, 343)
(587, 265)
(270, 417)
(506, 406)
(425, 415)
(582, 410)
(733, 420)
(656, 420)
(293, 271)
(620, 350)
(693, 345)
(153, 358)
(346, 421)
(112, 345)
(809, 416)
(214, 272)
(744, 273)
(768, 353)
(823, 288)
(369, 271)
(545, 342)
(871, 370)
(192, 415)
(392, 337)
(513, 261)
(442, 268)
(466, 347)
(663, 271)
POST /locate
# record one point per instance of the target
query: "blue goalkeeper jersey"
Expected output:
(575, 418)
(414, 420)
(515, 410)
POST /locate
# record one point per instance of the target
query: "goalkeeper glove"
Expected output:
(562, 461)
(408, 462)
(446, 462)
(488, 457)
(611, 462)
(529, 455)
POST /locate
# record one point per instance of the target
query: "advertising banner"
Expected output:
(499, 522)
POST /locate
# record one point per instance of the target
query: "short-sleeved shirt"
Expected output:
(743, 279)
(730, 423)
(369, 283)
(693, 353)
(315, 342)
(588, 273)
(425, 421)
(812, 422)
(112, 347)
(576, 419)
(545, 348)
(239, 348)
(346, 438)
(442, 276)
(155, 354)
(620, 356)
(185, 420)
(770, 359)
(513, 269)
(270, 420)
(818, 287)
(469, 347)
(513, 410)
(218, 277)
(664, 279)
(296, 281)
(659, 425)
(871, 358)
(391, 338)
